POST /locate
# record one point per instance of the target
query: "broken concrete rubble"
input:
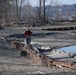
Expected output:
(46, 56)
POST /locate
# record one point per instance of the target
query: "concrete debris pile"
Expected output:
(46, 56)
(53, 53)
(59, 54)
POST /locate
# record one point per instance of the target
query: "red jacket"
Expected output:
(27, 33)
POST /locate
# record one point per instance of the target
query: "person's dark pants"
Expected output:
(28, 40)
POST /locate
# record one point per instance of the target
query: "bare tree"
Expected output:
(57, 15)
(44, 10)
(40, 2)
(20, 8)
(17, 11)
(29, 13)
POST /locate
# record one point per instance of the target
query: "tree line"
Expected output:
(18, 10)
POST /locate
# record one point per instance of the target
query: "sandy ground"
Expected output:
(12, 64)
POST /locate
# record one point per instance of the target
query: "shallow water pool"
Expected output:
(68, 49)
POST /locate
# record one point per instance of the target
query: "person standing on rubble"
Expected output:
(28, 34)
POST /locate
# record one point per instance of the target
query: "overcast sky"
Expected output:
(34, 2)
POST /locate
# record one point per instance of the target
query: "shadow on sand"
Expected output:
(34, 35)
(1, 28)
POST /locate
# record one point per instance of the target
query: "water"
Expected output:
(69, 49)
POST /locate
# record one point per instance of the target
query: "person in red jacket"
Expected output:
(28, 34)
